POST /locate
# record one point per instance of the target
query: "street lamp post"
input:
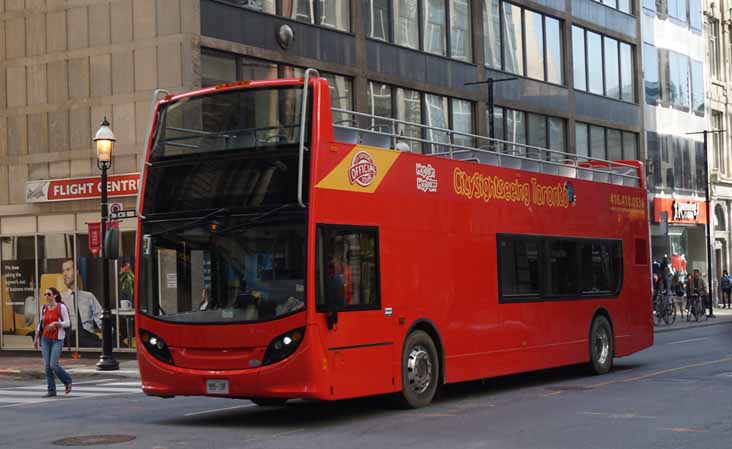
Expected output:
(708, 199)
(104, 140)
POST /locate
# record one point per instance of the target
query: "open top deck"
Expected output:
(383, 132)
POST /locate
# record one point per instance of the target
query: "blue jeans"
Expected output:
(51, 350)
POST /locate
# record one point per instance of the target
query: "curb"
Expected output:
(661, 330)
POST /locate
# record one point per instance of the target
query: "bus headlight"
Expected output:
(156, 346)
(283, 346)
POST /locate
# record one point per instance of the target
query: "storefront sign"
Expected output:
(95, 237)
(680, 211)
(80, 188)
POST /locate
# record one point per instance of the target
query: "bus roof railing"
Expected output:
(401, 135)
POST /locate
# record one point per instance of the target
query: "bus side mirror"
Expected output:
(111, 244)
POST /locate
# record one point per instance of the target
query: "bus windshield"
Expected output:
(230, 120)
(224, 269)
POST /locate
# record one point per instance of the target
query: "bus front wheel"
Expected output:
(420, 370)
(602, 346)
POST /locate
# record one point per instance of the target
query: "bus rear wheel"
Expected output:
(602, 345)
(420, 370)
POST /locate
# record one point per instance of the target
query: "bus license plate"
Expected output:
(217, 386)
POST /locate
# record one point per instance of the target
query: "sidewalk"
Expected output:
(30, 365)
(723, 316)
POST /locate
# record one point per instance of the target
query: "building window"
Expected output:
(328, 13)
(435, 31)
(650, 5)
(421, 109)
(713, 47)
(677, 10)
(377, 20)
(602, 65)
(678, 80)
(492, 33)
(651, 71)
(695, 14)
(435, 40)
(578, 58)
(605, 143)
(697, 87)
(218, 67)
(462, 121)
(717, 141)
(409, 109)
(461, 38)
(530, 43)
(406, 23)
(528, 128)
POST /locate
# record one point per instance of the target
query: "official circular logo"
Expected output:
(363, 169)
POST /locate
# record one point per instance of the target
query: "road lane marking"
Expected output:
(688, 341)
(682, 429)
(618, 415)
(219, 409)
(123, 384)
(100, 388)
(658, 373)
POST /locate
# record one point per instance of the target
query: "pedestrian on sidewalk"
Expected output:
(51, 333)
(725, 285)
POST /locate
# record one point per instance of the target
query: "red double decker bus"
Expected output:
(286, 254)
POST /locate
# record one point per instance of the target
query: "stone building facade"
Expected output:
(64, 66)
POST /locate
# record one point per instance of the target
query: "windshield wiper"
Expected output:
(257, 218)
(193, 223)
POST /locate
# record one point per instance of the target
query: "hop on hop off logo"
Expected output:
(363, 169)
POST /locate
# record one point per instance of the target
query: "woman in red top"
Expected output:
(54, 321)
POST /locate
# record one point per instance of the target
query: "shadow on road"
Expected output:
(315, 413)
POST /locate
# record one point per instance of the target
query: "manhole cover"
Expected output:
(569, 388)
(94, 440)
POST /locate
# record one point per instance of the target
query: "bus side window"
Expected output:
(347, 268)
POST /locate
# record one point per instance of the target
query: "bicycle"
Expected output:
(695, 309)
(663, 308)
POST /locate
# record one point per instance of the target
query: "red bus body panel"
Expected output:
(438, 268)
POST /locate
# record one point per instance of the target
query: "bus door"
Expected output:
(358, 337)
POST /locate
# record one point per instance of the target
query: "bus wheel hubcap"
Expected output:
(602, 346)
(419, 369)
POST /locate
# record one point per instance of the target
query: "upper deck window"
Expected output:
(232, 120)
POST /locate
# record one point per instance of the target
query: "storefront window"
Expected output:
(54, 251)
(18, 291)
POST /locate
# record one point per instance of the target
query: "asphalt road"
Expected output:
(677, 394)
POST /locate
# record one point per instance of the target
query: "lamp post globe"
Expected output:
(104, 139)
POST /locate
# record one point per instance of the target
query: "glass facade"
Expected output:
(30, 264)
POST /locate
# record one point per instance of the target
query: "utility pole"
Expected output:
(489, 82)
(708, 199)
